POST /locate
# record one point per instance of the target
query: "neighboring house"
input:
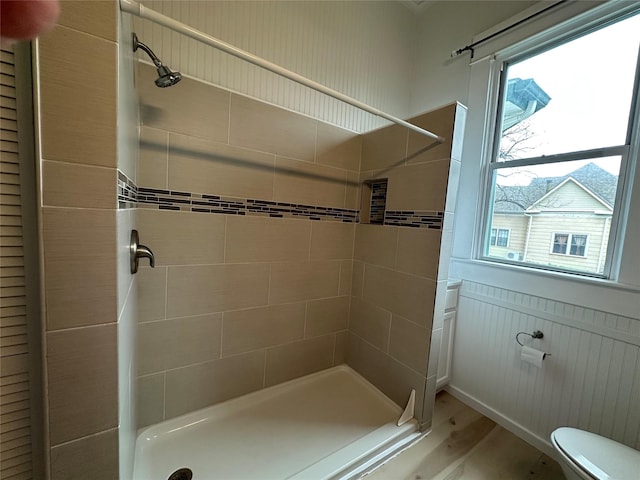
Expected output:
(523, 99)
(556, 221)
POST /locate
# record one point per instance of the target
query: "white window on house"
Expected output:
(499, 237)
(573, 244)
(563, 127)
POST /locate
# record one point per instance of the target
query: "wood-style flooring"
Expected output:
(465, 445)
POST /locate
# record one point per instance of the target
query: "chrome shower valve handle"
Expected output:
(138, 251)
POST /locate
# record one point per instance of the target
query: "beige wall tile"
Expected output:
(370, 322)
(328, 315)
(82, 381)
(376, 244)
(95, 17)
(445, 254)
(418, 187)
(394, 379)
(440, 303)
(127, 384)
(293, 282)
(337, 147)
(208, 167)
(72, 185)
(332, 240)
(178, 342)
(78, 99)
(298, 359)
(263, 239)
(254, 328)
(429, 403)
(458, 132)
(202, 385)
(198, 290)
(384, 148)
(425, 149)
(150, 399)
(357, 280)
(434, 351)
(80, 267)
(452, 185)
(266, 128)
(407, 295)
(418, 251)
(346, 277)
(409, 344)
(153, 158)
(352, 198)
(182, 238)
(342, 344)
(125, 221)
(309, 184)
(190, 107)
(94, 457)
(152, 290)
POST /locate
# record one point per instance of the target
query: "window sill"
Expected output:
(597, 293)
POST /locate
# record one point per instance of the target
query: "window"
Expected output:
(499, 237)
(569, 244)
(561, 147)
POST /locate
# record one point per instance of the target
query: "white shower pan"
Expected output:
(328, 425)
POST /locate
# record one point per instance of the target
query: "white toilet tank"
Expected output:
(591, 456)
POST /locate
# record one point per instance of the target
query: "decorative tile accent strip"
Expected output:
(415, 219)
(127, 192)
(197, 202)
(378, 201)
(132, 196)
(293, 210)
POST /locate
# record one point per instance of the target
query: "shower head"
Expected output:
(166, 77)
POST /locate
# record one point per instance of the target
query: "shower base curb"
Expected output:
(331, 424)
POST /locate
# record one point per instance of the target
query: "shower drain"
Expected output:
(182, 474)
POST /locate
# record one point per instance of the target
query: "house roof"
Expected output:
(516, 199)
(523, 98)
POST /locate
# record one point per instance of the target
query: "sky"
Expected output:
(590, 82)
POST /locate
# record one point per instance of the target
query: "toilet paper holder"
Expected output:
(535, 334)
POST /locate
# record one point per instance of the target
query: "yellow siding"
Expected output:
(570, 197)
(541, 238)
(517, 225)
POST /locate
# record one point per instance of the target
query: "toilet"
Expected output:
(587, 456)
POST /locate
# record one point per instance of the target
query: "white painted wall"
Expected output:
(444, 27)
(364, 49)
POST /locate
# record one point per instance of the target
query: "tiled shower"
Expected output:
(263, 272)
(262, 275)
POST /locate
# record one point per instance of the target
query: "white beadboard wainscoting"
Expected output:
(591, 380)
(339, 44)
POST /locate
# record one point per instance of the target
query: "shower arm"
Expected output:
(137, 44)
(135, 8)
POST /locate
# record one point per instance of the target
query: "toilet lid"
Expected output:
(601, 457)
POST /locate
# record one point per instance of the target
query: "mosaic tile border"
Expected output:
(127, 192)
(415, 219)
(203, 203)
(132, 196)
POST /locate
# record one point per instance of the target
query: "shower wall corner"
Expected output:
(401, 267)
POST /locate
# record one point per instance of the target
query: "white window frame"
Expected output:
(491, 138)
(570, 236)
(617, 294)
